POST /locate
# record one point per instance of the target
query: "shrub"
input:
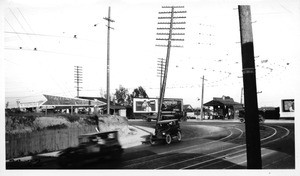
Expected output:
(56, 127)
(91, 120)
(71, 118)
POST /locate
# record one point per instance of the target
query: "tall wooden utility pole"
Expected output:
(202, 96)
(78, 78)
(160, 70)
(108, 66)
(250, 93)
(242, 95)
(170, 28)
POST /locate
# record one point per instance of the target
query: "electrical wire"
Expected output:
(13, 29)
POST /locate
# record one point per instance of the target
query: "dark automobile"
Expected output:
(100, 145)
(166, 130)
(241, 116)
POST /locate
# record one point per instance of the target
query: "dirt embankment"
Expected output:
(23, 123)
(30, 122)
(114, 123)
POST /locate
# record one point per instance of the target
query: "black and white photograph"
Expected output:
(155, 87)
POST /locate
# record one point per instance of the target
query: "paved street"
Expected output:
(204, 145)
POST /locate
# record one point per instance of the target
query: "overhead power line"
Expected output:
(13, 29)
(44, 35)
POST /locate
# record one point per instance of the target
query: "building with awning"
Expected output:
(114, 107)
(70, 104)
(223, 107)
(30, 106)
(64, 101)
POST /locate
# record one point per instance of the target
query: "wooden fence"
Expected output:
(18, 145)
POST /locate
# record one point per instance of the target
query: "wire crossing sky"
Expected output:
(44, 40)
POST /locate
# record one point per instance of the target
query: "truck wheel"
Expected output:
(168, 139)
(179, 136)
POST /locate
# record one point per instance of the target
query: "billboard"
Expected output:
(145, 105)
(288, 105)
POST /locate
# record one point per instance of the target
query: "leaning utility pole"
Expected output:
(78, 78)
(250, 93)
(202, 96)
(160, 70)
(108, 66)
(170, 28)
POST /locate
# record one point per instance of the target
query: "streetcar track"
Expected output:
(222, 156)
(190, 148)
(217, 158)
(277, 161)
(245, 161)
(187, 139)
(192, 158)
(231, 148)
(266, 140)
(237, 156)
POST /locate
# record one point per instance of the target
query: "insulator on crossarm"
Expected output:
(162, 39)
(172, 6)
(180, 17)
(178, 33)
(162, 45)
(162, 33)
(178, 28)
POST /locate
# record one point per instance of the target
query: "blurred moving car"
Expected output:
(166, 130)
(100, 145)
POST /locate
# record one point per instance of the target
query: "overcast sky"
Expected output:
(211, 48)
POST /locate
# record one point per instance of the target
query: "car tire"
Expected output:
(168, 139)
(152, 142)
(179, 136)
(242, 120)
(148, 120)
(261, 119)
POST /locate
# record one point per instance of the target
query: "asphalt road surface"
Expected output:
(225, 149)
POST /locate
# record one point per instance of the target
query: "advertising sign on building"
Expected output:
(288, 105)
(145, 105)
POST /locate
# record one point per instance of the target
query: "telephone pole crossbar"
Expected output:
(170, 46)
(172, 33)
